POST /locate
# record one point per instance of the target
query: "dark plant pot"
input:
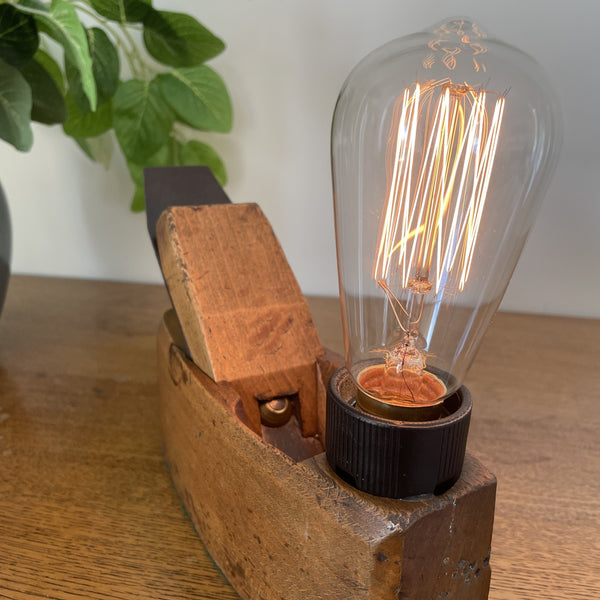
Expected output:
(5, 247)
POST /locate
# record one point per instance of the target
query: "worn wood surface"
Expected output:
(241, 310)
(87, 509)
(279, 528)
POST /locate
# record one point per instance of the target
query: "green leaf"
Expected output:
(197, 153)
(51, 67)
(32, 4)
(81, 124)
(99, 149)
(179, 40)
(105, 68)
(61, 23)
(18, 36)
(141, 118)
(199, 98)
(15, 108)
(48, 105)
(162, 158)
(83, 144)
(138, 202)
(176, 154)
(123, 11)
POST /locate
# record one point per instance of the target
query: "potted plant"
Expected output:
(103, 86)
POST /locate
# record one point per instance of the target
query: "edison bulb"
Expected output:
(443, 144)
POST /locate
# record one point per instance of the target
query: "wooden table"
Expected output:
(87, 509)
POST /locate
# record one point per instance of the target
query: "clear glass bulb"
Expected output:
(443, 144)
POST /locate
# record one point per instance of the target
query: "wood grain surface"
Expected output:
(87, 508)
(281, 529)
(241, 309)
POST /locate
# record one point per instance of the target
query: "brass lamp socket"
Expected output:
(394, 458)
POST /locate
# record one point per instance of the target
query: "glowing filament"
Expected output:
(440, 160)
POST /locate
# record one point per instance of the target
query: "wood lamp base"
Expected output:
(281, 528)
(242, 395)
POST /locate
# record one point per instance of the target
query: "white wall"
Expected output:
(284, 65)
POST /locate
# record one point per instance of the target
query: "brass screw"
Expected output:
(275, 412)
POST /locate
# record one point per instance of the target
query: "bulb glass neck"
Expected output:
(402, 395)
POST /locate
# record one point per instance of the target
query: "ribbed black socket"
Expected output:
(396, 459)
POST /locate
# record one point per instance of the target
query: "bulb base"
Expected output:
(391, 458)
(416, 397)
